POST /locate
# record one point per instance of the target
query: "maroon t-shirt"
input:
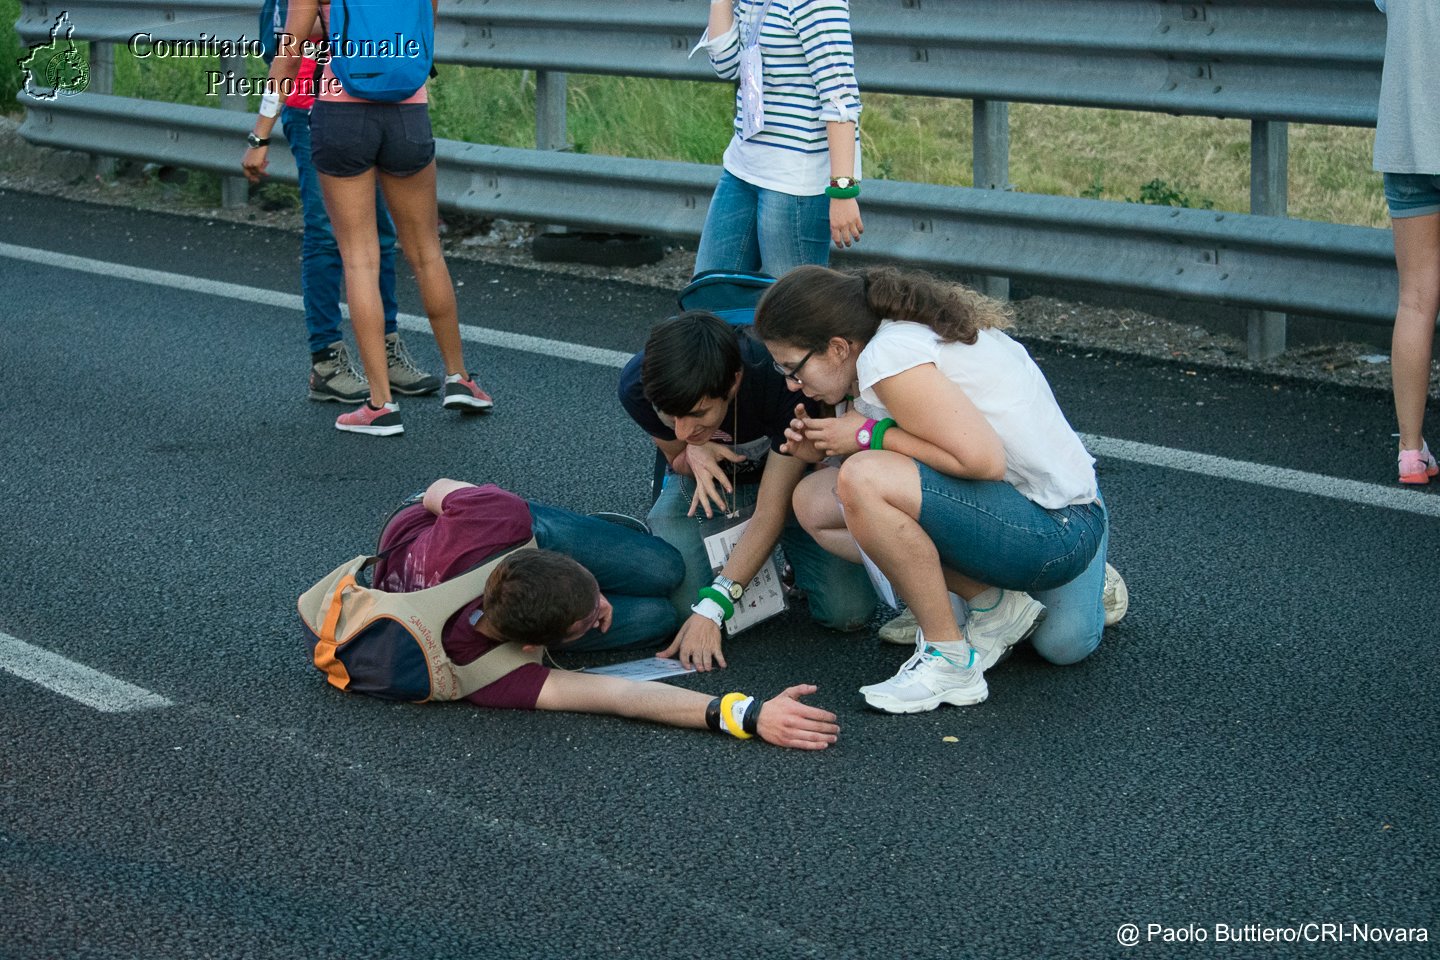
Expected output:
(475, 523)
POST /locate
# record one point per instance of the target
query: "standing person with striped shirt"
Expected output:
(792, 170)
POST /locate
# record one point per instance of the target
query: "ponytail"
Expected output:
(955, 312)
(810, 304)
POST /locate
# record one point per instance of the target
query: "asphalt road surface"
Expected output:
(1253, 749)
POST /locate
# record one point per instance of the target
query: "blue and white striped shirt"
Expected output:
(808, 68)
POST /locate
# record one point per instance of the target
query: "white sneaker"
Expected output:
(928, 679)
(1117, 596)
(993, 631)
(901, 630)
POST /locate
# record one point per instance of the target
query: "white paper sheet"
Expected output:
(647, 668)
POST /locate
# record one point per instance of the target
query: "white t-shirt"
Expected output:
(1044, 459)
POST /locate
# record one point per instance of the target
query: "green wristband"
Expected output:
(877, 433)
(725, 604)
(843, 193)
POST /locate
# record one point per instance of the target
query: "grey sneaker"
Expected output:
(932, 676)
(1117, 596)
(901, 630)
(336, 378)
(995, 630)
(405, 374)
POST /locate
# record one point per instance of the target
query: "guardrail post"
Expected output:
(1269, 196)
(102, 81)
(992, 168)
(234, 191)
(552, 129)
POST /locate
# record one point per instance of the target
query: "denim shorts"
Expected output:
(1412, 194)
(346, 139)
(991, 532)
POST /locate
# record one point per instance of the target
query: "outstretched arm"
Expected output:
(784, 720)
(698, 643)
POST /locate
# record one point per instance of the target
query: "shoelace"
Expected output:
(342, 354)
(399, 356)
(925, 651)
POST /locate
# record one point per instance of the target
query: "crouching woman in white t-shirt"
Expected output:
(961, 475)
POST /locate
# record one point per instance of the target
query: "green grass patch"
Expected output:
(10, 53)
(1117, 155)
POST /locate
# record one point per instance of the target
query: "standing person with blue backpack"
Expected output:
(371, 123)
(332, 373)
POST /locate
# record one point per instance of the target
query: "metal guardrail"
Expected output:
(1272, 61)
(1315, 61)
(1237, 259)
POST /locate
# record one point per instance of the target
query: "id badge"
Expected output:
(752, 92)
(764, 595)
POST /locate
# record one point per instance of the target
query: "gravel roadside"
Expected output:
(1079, 326)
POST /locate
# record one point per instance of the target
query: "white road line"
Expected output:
(1280, 478)
(76, 681)
(291, 301)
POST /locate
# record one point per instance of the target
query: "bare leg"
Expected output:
(1417, 257)
(350, 201)
(413, 208)
(818, 511)
(881, 494)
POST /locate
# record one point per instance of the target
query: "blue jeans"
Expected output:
(750, 228)
(321, 273)
(636, 573)
(838, 592)
(1412, 194)
(988, 530)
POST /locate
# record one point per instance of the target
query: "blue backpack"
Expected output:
(732, 295)
(381, 49)
(272, 23)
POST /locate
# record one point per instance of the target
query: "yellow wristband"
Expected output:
(730, 722)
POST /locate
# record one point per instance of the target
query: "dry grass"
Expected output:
(1112, 154)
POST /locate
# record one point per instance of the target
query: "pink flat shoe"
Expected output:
(1418, 466)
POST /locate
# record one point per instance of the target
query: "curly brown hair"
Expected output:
(810, 304)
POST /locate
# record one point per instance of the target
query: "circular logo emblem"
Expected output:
(67, 72)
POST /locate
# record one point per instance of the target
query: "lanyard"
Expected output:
(752, 82)
(751, 36)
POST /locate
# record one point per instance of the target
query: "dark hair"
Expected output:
(687, 359)
(810, 304)
(535, 596)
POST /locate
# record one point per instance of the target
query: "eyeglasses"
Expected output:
(793, 373)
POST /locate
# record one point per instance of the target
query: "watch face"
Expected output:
(735, 591)
(863, 438)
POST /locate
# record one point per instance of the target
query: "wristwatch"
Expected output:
(844, 182)
(863, 435)
(729, 587)
(255, 141)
